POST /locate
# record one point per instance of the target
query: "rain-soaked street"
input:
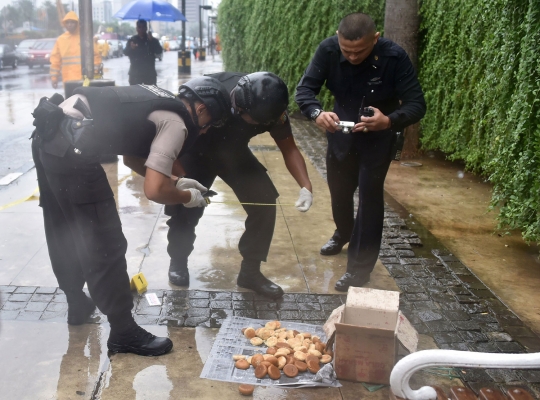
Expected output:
(461, 286)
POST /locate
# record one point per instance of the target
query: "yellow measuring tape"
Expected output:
(20, 200)
(250, 204)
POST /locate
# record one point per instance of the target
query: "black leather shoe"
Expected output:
(257, 282)
(332, 247)
(80, 309)
(178, 274)
(357, 279)
(138, 341)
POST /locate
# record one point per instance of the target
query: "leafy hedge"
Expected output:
(281, 36)
(480, 71)
(478, 67)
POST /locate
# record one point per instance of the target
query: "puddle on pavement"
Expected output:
(42, 360)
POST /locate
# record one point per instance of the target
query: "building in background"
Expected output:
(102, 11)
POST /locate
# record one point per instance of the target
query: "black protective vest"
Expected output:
(120, 119)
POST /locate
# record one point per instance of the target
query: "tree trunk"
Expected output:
(401, 23)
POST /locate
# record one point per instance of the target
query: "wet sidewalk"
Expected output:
(443, 290)
(74, 362)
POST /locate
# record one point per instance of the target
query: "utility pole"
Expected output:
(87, 44)
(202, 51)
(184, 57)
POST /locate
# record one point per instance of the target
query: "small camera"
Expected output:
(345, 126)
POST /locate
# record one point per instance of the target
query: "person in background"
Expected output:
(66, 54)
(142, 49)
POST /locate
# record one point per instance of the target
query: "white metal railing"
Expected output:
(406, 367)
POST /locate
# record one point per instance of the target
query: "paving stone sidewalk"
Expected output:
(441, 296)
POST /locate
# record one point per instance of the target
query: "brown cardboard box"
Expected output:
(367, 354)
(371, 308)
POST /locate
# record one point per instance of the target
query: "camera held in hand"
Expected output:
(345, 126)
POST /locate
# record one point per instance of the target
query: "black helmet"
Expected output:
(212, 94)
(262, 95)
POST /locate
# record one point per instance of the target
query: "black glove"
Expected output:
(47, 116)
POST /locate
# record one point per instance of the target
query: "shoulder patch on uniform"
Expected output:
(158, 91)
(283, 117)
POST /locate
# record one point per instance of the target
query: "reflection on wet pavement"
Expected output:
(55, 361)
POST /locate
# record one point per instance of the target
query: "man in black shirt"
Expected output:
(142, 49)
(359, 67)
(259, 101)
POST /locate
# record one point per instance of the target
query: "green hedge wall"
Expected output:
(480, 71)
(281, 36)
(478, 67)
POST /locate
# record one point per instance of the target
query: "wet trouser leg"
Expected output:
(342, 177)
(60, 243)
(371, 156)
(247, 177)
(79, 203)
(250, 182)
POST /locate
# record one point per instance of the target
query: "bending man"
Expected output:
(260, 102)
(82, 226)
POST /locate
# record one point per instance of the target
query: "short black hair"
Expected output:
(142, 22)
(356, 26)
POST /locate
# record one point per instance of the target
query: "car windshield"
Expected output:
(44, 45)
(25, 44)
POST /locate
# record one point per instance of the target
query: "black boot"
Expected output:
(135, 339)
(251, 277)
(179, 273)
(333, 246)
(80, 307)
(356, 279)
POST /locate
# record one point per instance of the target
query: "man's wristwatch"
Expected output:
(315, 113)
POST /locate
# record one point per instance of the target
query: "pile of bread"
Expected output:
(288, 351)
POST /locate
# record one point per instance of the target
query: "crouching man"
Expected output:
(82, 226)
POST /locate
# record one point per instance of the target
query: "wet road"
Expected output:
(21, 89)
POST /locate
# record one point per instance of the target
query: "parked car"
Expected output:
(40, 53)
(22, 49)
(7, 56)
(174, 45)
(117, 48)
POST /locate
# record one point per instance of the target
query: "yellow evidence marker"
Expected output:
(139, 283)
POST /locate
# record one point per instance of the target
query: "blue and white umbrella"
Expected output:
(150, 10)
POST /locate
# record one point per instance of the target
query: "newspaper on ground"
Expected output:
(219, 365)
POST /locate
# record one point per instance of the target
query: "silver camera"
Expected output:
(345, 126)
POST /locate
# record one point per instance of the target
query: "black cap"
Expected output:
(262, 95)
(212, 94)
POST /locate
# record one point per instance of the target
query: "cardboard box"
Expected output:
(367, 353)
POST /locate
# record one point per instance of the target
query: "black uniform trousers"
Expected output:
(364, 167)
(239, 168)
(83, 231)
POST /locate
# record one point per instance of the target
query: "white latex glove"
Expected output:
(305, 200)
(186, 183)
(197, 199)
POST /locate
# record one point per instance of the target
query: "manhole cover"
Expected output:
(411, 164)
